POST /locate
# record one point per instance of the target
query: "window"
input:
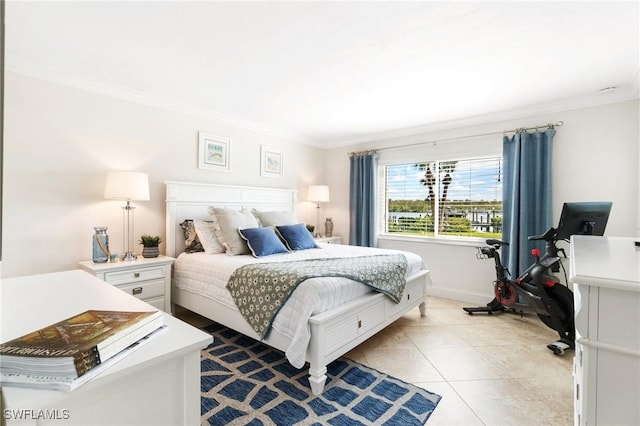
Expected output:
(444, 198)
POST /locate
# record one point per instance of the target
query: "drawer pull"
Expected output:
(136, 275)
(137, 290)
(359, 323)
(580, 356)
(408, 296)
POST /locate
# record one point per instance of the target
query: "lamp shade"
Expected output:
(318, 193)
(127, 186)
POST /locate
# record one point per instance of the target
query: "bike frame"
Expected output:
(531, 286)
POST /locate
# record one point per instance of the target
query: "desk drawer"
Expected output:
(145, 290)
(134, 275)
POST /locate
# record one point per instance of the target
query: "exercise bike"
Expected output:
(535, 291)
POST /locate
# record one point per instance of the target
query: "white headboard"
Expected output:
(190, 200)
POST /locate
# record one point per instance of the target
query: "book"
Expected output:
(72, 347)
(69, 384)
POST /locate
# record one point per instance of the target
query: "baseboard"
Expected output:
(471, 298)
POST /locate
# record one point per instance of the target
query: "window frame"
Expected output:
(382, 218)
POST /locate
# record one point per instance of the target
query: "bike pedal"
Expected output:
(558, 347)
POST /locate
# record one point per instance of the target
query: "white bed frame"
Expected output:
(334, 332)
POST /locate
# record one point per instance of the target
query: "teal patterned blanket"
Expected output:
(260, 289)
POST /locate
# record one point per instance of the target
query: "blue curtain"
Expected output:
(362, 189)
(526, 196)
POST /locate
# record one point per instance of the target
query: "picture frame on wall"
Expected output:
(214, 152)
(271, 162)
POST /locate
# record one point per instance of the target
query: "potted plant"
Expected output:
(150, 245)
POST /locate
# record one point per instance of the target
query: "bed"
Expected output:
(315, 334)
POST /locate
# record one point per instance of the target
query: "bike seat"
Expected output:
(547, 236)
(493, 242)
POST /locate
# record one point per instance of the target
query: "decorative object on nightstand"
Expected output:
(328, 227)
(128, 186)
(318, 194)
(150, 245)
(100, 245)
(148, 279)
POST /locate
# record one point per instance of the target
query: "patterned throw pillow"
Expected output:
(191, 242)
(262, 241)
(296, 237)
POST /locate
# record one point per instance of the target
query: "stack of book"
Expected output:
(67, 354)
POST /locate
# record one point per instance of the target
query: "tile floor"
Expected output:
(489, 369)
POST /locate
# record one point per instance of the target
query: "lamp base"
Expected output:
(129, 256)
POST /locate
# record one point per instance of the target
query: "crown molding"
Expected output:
(55, 75)
(528, 112)
(35, 70)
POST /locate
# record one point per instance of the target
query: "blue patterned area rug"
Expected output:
(245, 382)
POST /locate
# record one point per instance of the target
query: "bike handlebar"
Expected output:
(493, 242)
(548, 236)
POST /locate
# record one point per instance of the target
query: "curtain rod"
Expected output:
(504, 132)
(365, 152)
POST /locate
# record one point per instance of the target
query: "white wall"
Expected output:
(60, 142)
(595, 157)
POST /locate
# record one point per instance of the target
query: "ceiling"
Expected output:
(336, 73)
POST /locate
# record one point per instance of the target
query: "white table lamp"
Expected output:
(128, 186)
(318, 194)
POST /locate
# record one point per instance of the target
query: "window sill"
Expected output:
(453, 241)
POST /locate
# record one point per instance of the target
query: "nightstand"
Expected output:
(336, 239)
(148, 279)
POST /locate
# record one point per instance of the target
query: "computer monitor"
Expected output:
(588, 218)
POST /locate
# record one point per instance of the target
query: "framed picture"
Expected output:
(214, 152)
(271, 162)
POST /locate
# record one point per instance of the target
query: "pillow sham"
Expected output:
(262, 241)
(275, 218)
(206, 233)
(226, 223)
(192, 243)
(296, 237)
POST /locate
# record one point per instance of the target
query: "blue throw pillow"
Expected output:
(262, 241)
(296, 237)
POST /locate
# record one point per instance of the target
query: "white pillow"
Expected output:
(205, 229)
(226, 223)
(275, 218)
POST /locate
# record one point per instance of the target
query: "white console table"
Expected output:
(605, 272)
(157, 384)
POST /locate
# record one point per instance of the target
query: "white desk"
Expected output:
(605, 272)
(158, 384)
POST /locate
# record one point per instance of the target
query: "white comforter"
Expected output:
(207, 275)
